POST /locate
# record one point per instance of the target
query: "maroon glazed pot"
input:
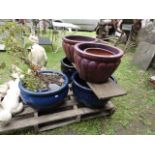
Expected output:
(69, 42)
(96, 62)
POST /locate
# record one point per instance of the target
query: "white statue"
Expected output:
(37, 55)
(10, 105)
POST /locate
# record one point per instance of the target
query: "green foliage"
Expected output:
(13, 36)
(2, 65)
(134, 112)
(33, 82)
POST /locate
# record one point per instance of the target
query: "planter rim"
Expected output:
(66, 39)
(62, 61)
(78, 84)
(46, 92)
(83, 53)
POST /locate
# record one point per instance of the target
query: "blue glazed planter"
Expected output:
(84, 94)
(67, 68)
(44, 100)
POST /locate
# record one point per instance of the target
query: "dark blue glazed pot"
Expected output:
(44, 100)
(67, 68)
(84, 94)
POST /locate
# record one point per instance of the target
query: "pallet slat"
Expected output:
(34, 121)
(53, 126)
(68, 113)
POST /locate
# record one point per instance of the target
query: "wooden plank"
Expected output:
(107, 90)
(27, 111)
(144, 54)
(36, 127)
(75, 120)
(53, 126)
(74, 115)
(30, 122)
(69, 103)
(102, 114)
(19, 124)
(65, 115)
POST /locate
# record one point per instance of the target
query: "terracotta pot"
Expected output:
(69, 42)
(96, 62)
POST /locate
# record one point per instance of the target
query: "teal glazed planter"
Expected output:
(96, 62)
(69, 42)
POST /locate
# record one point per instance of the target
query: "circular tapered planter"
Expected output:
(67, 68)
(46, 99)
(69, 42)
(85, 95)
(96, 62)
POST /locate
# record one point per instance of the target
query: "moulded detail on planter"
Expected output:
(96, 68)
(70, 41)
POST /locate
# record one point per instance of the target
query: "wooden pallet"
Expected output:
(69, 112)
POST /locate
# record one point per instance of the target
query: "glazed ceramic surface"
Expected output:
(44, 100)
(84, 94)
(67, 68)
(96, 62)
(69, 42)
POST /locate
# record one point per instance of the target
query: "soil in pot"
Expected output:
(43, 82)
(44, 91)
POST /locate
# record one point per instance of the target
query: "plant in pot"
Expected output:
(39, 89)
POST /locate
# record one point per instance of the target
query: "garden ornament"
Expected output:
(10, 105)
(37, 55)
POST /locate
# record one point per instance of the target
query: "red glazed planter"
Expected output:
(69, 42)
(96, 62)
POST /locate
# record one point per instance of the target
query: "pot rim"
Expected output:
(83, 53)
(62, 61)
(77, 83)
(21, 87)
(97, 49)
(66, 38)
